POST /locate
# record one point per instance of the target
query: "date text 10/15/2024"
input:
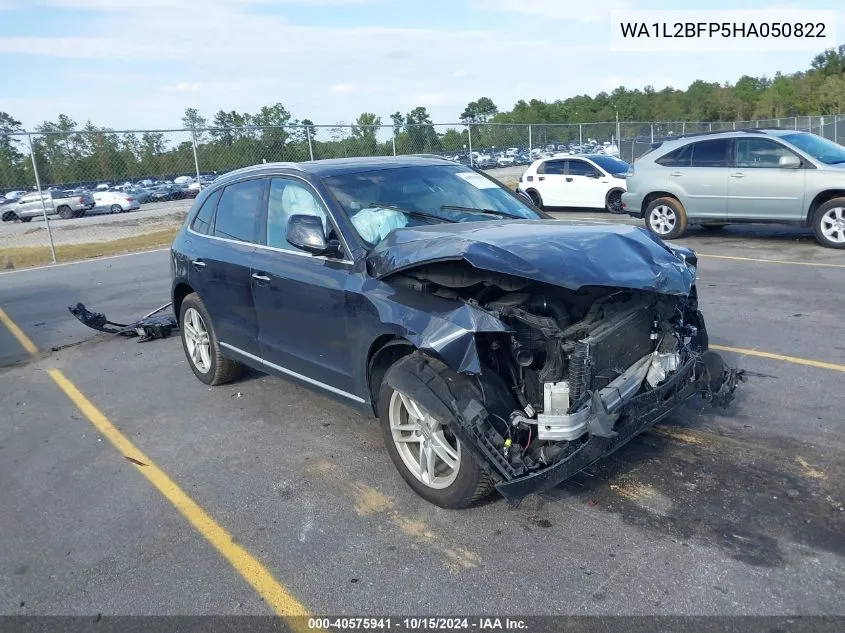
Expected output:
(419, 624)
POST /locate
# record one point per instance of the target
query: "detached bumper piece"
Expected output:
(149, 327)
(706, 376)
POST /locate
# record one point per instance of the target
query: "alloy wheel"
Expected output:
(833, 225)
(428, 449)
(197, 340)
(662, 219)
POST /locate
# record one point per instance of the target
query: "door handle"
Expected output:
(738, 174)
(198, 264)
(569, 180)
(676, 173)
(260, 278)
(541, 178)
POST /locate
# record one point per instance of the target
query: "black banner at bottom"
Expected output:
(410, 624)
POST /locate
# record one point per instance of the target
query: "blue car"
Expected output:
(498, 347)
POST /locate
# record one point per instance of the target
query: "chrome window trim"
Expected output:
(271, 248)
(294, 374)
(347, 250)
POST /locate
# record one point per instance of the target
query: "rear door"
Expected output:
(551, 182)
(758, 188)
(698, 174)
(300, 298)
(220, 272)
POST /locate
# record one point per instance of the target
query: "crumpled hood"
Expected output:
(548, 251)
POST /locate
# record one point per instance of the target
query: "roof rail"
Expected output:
(748, 130)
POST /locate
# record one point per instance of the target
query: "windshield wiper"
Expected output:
(498, 214)
(409, 212)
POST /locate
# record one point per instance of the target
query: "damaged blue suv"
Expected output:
(498, 347)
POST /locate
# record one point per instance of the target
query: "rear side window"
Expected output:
(203, 219)
(237, 210)
(680, 157)
(712, 153)
(552, 167)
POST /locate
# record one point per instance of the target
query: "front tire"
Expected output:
(116, 208)
(26, 219)
(613, 201)
(201, 345)
(428, 455)
(666, 218)
(829, 223)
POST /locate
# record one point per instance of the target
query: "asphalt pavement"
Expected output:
(712, 512)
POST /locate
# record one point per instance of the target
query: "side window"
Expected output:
(680, 157)
(552, 167)
(710, 153)
(759, 152)
(237, 210)
(287, 198)
(581, 168)
(203, 219)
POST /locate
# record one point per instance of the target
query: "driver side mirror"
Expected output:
(306, 233)
(594, 174)
(789, 162)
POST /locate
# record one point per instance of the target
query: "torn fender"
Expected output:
(548, 251)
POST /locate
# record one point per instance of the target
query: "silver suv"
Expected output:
(771, 175)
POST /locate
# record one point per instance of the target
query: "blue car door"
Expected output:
(300, 299)
(221, 274)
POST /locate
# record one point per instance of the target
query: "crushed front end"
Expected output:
(578, 373)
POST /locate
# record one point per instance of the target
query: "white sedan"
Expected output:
(593, 181)
(115, 201)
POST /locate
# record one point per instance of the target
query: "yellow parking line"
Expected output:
(249, 567)
(22, 338)
(789, 359)
(772, 261)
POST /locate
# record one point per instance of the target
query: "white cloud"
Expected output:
(343, 89)
(556, 9)
(182, 87)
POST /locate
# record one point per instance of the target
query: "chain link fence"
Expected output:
(93, 192)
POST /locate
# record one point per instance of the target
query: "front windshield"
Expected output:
(612, 165)
(821, 149)
(380, 201)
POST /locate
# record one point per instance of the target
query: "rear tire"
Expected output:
(666, 218)
(26, 219)
(536, 198)
(65, 213)
(829, 223)
(457, 483)
(201, 345)
(116, 208)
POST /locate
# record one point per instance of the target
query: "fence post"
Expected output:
(393, 139)
(310, 148)
(683, 127)
(580, 134)
(795, 121)
(652, 133)
(196, 159)
(41, 195)
(469, 141)
(530, 145)
(734, 124)
(710, 126)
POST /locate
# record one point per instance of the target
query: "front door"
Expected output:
(758, 188)
(300, 298)
(588, 184)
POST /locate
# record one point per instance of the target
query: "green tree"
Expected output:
(12, 170)
(480, 111)
(195, 122)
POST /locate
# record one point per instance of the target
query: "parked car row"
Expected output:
(70, 203)
(756, 175)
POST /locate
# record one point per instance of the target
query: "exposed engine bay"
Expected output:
(575, 366)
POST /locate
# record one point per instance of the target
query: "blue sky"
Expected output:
(140, 63)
